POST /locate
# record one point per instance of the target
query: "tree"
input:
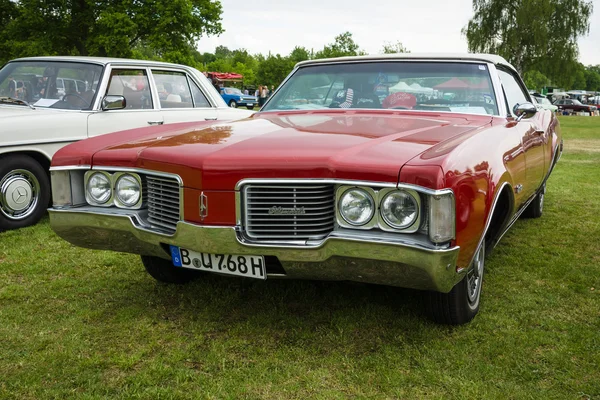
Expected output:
(535, 80)
(273, 70)
(164, 30)
(532, 35)
(299, 54)
(343, 45)
(592, 78)
(394, 48)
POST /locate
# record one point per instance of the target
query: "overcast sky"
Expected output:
(260, 26)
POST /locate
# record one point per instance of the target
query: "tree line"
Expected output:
(538, 37)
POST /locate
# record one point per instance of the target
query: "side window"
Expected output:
(133, 85)
(173, 89)
(514, 92)
(200, 100)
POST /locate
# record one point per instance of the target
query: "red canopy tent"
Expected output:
(453, 83)
(226, 76)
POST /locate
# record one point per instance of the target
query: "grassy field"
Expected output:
(77, 323)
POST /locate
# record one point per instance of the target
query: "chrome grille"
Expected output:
(163, 202)
(288, 212)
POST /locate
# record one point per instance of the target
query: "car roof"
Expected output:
(100, 60)
(489, 58)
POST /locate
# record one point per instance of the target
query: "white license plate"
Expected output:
(248, 266)
(250, 104)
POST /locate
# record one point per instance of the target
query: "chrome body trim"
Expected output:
(70, 167)
(388, 259)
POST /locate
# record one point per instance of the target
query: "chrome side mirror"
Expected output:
(113, 103)
(524, 111)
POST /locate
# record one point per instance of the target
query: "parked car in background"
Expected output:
(235, 98)
(544, 103)
(574, 105)
(376, 181)
(48, 102)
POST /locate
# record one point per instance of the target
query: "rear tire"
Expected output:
(461, 304)
(535, 209)
(24, 192)
(164, 271)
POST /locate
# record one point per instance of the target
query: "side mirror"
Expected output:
(524, 111)
(113, 103)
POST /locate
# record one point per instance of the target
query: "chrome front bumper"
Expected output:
(351, 256)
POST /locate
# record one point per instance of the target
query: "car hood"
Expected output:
(22, 125)
(343, 145)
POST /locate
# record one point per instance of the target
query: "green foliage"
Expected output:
(394, 48)
(536, 35)
(592, 78)
(343, 45)
(273, 70)
(535, 80)
(117, 28)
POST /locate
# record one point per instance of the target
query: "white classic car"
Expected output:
(543, 103)
(49, 102)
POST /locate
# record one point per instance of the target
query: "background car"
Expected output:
(235, 98)
(544, 103)
(574, 105)
(380, 181)
(48, 102)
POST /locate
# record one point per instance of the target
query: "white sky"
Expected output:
(260, 26)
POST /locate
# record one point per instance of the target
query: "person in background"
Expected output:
(272, 88)
(246, 92)
(264, 90)
(12, 87)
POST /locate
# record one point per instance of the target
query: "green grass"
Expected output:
(77, 323)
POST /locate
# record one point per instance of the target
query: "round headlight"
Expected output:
(399, 209)
(128, 190)
(99, 188)
(356, 207)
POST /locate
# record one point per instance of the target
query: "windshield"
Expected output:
(429, 86)
(233, 91)
(50, 84)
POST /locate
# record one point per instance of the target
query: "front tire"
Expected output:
(461, 304)
(535, 209)
(164, 271)
(250, 108)
(233, 104)
(24, 192)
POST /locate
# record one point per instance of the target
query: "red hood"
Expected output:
(363, 145)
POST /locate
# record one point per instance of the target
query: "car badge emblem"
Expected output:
(276, 210)
(203, 206)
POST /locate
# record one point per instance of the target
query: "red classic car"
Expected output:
(402, 170)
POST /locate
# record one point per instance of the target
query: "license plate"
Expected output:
(248, 266)
(250, 104)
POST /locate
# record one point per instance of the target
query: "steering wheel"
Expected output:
(83, 101)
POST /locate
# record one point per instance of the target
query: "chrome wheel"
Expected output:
(19, 194)
(475, 276)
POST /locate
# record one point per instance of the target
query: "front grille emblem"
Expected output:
(286, 210)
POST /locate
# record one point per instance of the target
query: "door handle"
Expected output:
(156, 122)
(210, 119)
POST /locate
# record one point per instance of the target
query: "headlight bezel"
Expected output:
(88, 197)
(342, 221)
(117, 200)
(409, 228)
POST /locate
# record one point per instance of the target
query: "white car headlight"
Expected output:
(98, 190)
(128, 190)
(399, 209)
(356, 207)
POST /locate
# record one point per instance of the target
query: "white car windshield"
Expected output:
(50, 84)
(233, 91)
(429, 86)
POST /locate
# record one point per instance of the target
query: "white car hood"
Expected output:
(22, 125)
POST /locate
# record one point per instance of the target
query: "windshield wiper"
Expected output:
(17, 101)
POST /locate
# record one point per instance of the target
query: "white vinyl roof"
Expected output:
(488, 58)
